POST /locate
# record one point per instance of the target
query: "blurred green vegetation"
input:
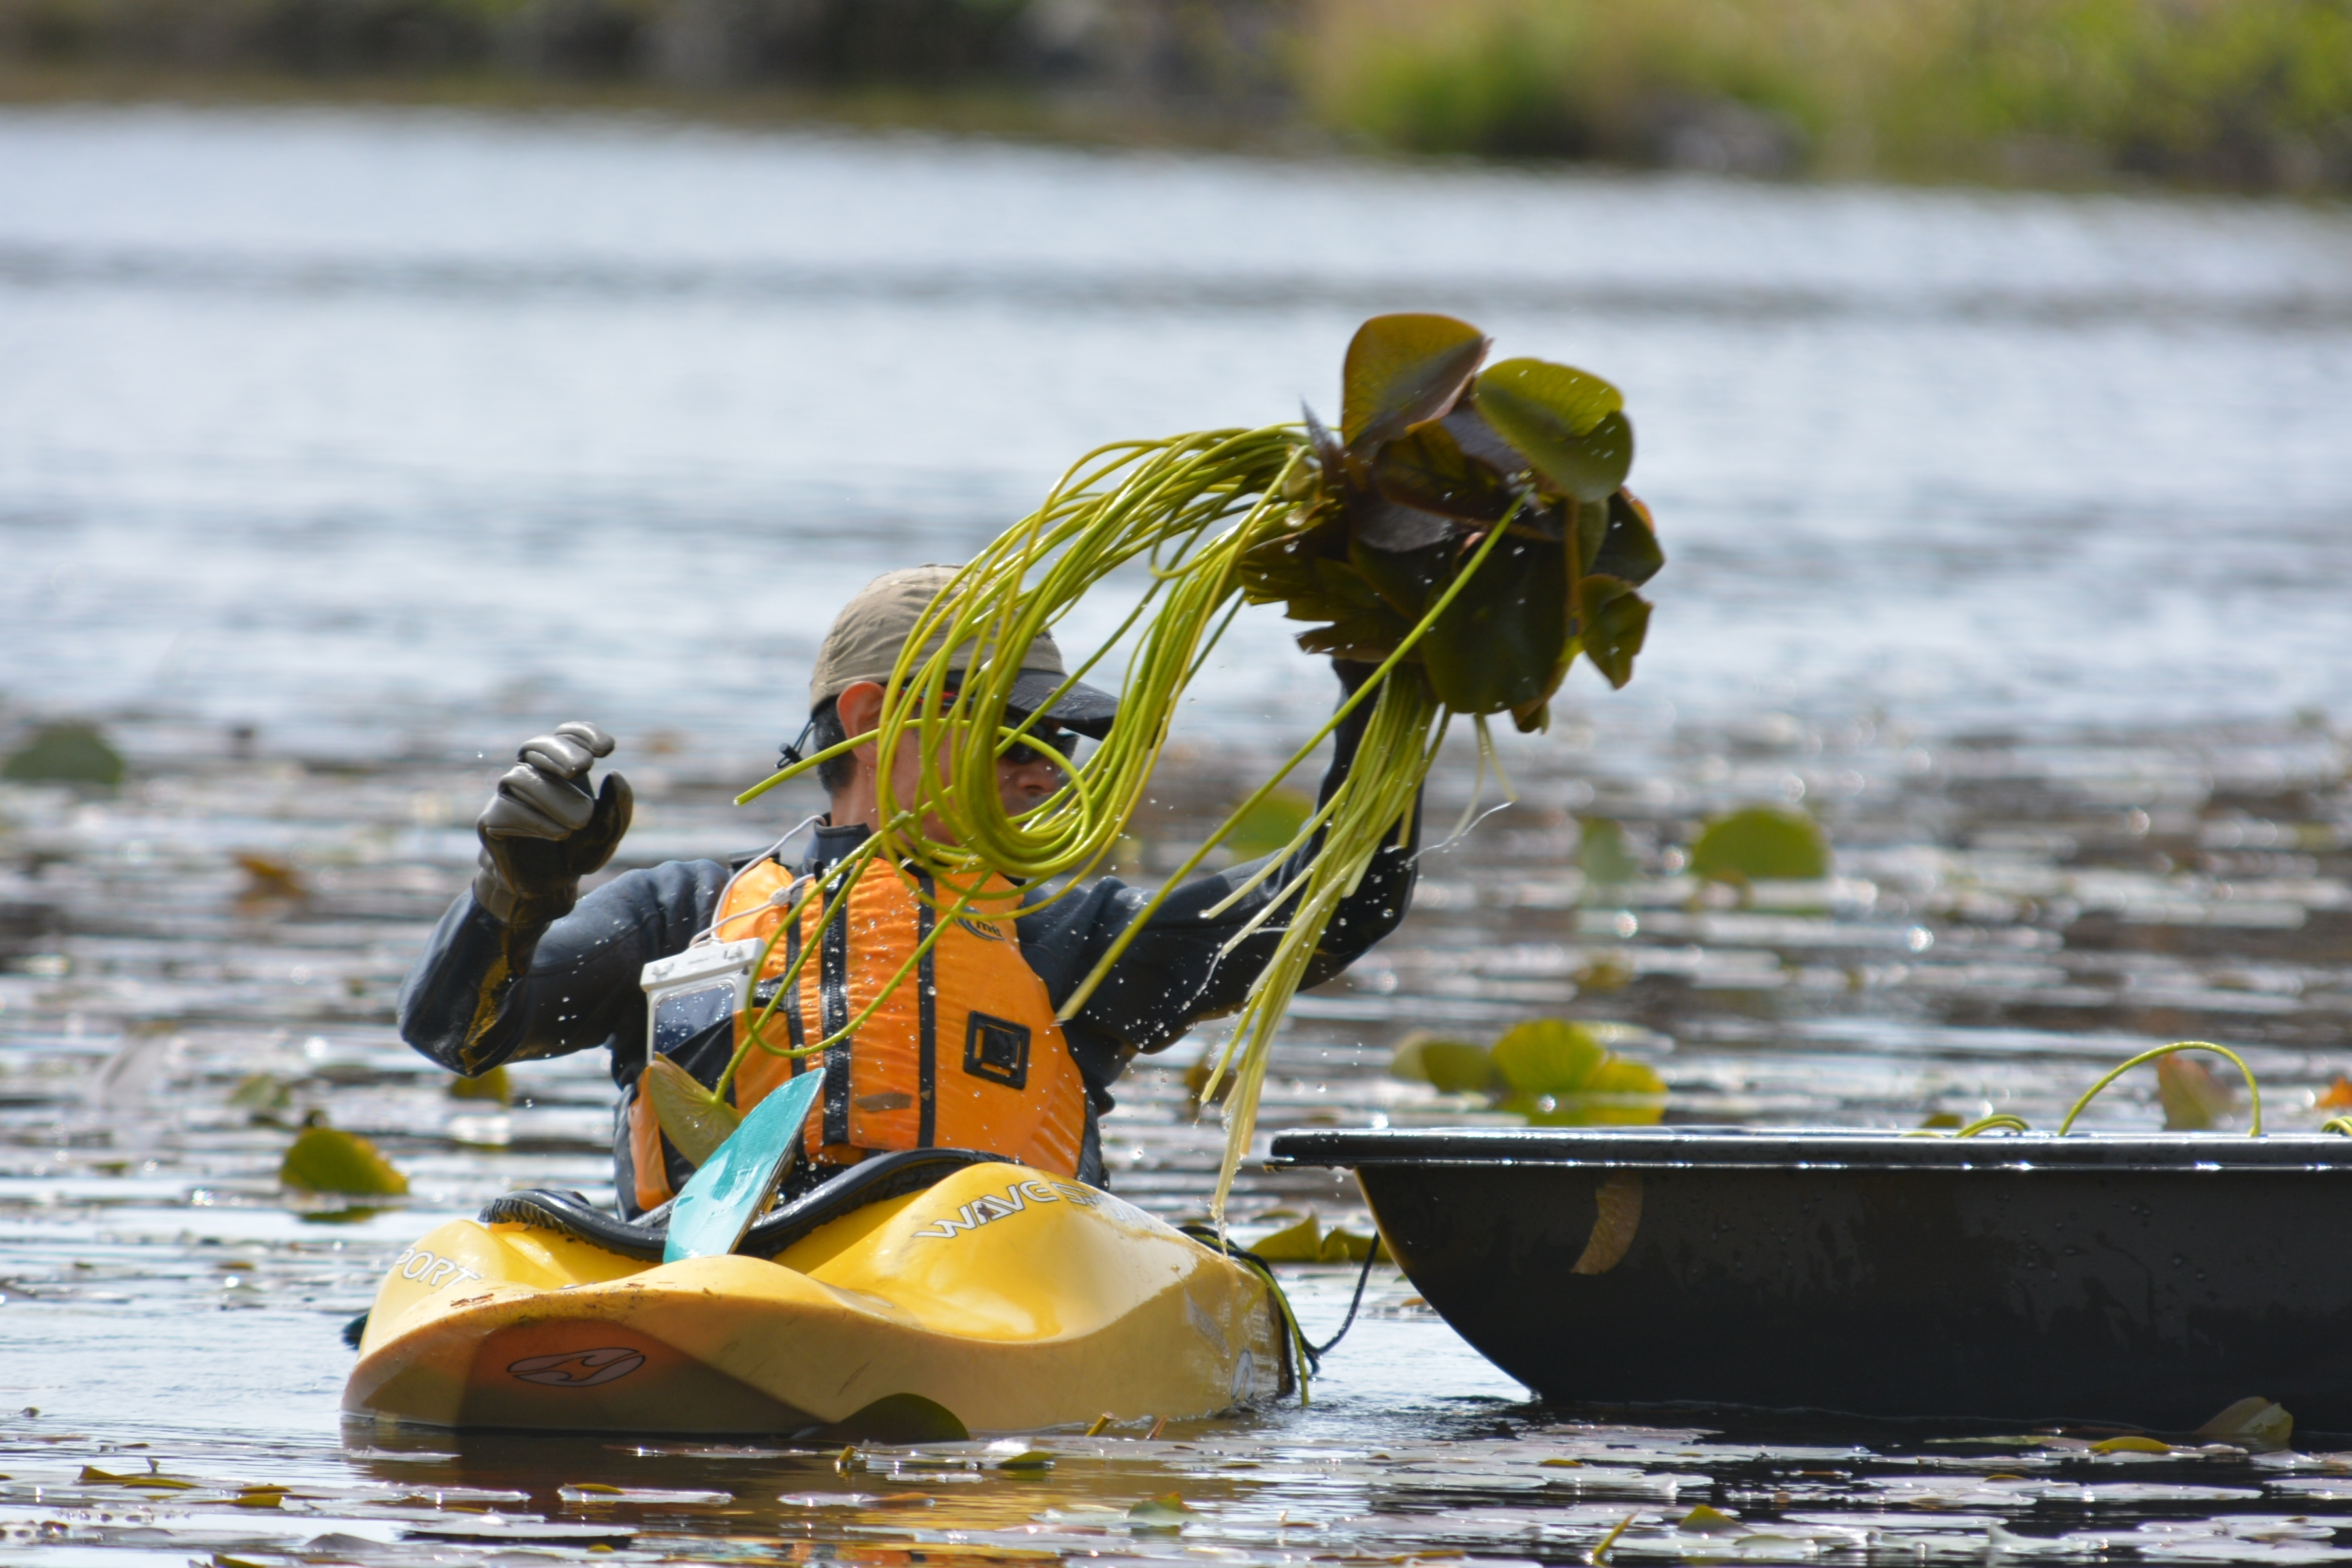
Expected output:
(2248, 93)
(2251, 92)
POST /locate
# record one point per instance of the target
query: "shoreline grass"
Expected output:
(2217, 94)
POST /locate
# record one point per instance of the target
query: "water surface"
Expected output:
(2007, 534)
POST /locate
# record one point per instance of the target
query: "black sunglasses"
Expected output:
(1045, 733)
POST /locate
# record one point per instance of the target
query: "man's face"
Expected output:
(1025, 777)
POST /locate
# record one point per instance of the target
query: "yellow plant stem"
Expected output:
(2253, 1090)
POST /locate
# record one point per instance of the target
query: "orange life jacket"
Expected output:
(963, 1054)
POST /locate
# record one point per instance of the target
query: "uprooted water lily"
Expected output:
(1466, 530)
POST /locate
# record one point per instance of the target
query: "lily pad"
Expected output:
(695, 1120)
(1559, 1075)
(1426, 468)
(1455, 1066)
(64, 754)
(900, 1419)
(148, 1480)
(491, 1085)
(1760, 844)
(1300, 1243)
(1504, 641)
(2192, 1097)
(325, 1159)
(1628, 546)
(1570, 423)
(1705, 1520)
(2253, 1424)
(1616, 622)
(1169, 1511)
(1602, 855)
(1403, 369)
(1270, 824)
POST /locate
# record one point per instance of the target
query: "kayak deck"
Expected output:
(1014, 1300)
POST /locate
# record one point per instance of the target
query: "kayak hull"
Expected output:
(2147, 1281)
(1011, 1299)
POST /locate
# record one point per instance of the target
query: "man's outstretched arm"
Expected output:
(522, 966)
(1172, 974)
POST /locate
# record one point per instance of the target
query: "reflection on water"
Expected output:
(2008, 536)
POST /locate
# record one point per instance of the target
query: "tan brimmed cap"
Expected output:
(867, 637)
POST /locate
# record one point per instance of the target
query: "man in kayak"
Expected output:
(967, 1054)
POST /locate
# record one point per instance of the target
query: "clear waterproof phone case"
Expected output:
(692, 990)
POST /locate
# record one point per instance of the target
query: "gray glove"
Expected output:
(543, 831)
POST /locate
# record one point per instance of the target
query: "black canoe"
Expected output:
(2146, 1280)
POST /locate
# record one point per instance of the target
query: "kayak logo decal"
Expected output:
(988, 1207)
(1018, 1196)
(430, 1271)
(578, 1369)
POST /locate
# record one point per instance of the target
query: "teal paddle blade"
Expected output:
(710, 1217)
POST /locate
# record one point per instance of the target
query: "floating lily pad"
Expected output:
(1559, 1075)
(2253, 1424)
(1300, 1243)
(1270, 824)
(2192, 1097)
(64, 754)
(900, 1419)
(149, 1480)
(492, 1085)
(1760, 844)
(1455, 1066)
(1602, 855)
(325, 1159)
(1165, 1513)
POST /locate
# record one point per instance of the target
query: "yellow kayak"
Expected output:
(1006, 1298)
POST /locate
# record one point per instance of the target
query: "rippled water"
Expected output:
(2008, 535)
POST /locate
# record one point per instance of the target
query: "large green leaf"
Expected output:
(1502, 644)
(1627, 545)
(1405, 580)
(1619, 1093)
(1562, 1075)
(1548, 1056)
(1270, 824)
(2192, 1097)
(695, 1120)
(325, 1159)
(1556, 397)
(1761, 844)
(1426, 468)
(64, 754)
(1401, 370)
(1616, 621)
(1571, 426)
(1453, 1067)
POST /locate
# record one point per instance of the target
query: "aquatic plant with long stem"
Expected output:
(1464, 532)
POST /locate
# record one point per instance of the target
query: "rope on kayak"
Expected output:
(1304, 1355)
(1371, 1254)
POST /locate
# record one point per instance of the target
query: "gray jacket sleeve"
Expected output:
(483, 992)
(1171, 976)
